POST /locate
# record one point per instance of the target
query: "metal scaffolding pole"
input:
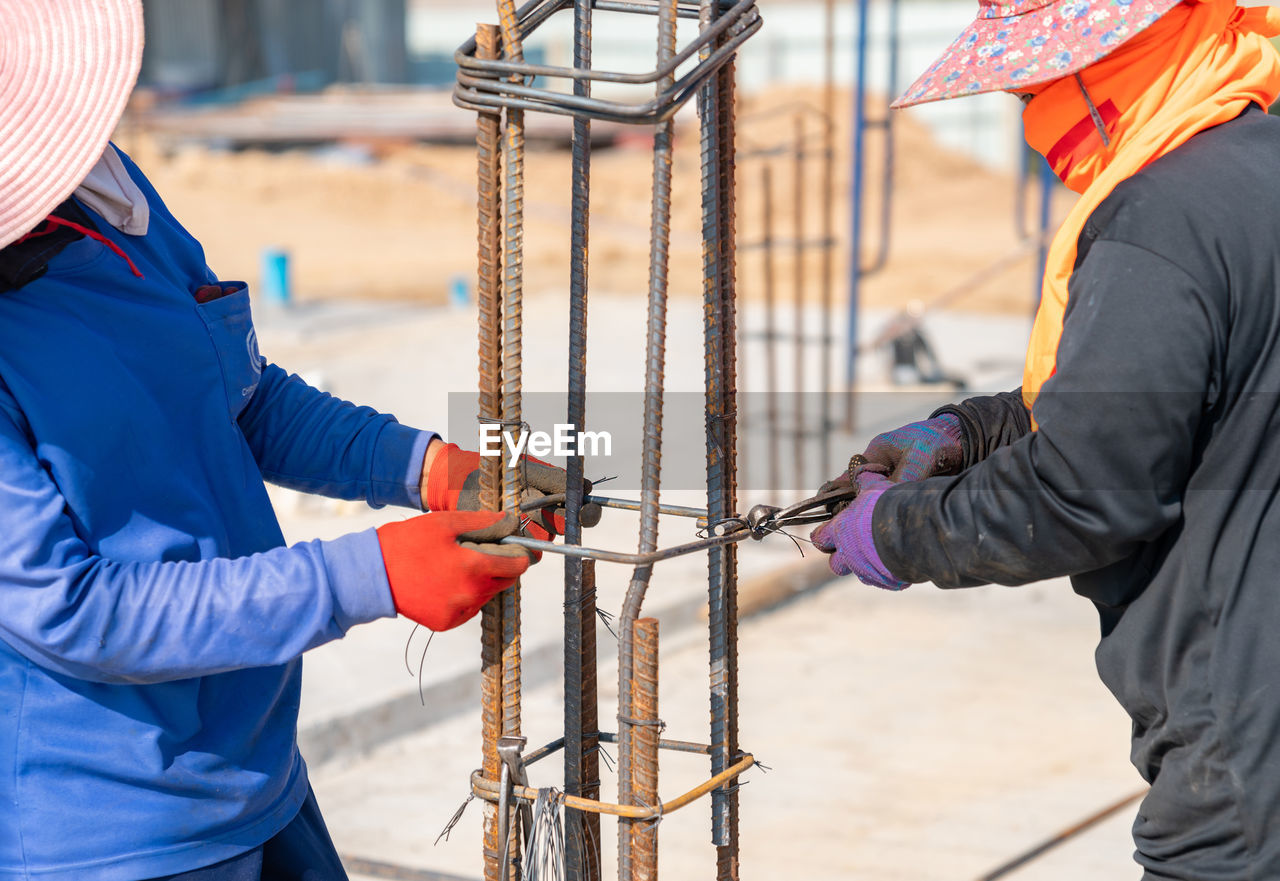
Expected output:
(802, 145)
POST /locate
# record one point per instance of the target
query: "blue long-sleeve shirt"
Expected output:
(151, 618)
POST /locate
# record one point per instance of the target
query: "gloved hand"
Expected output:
(452, 483)
(443, 567)
(920, 449)
(848, 538)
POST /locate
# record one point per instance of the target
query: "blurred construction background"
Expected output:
(313, 147)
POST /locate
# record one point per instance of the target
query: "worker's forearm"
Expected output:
(1007, 521)
(1107, 469)
(310, 441)
(107, 621)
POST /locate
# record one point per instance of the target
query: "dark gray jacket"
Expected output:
(1152, 482)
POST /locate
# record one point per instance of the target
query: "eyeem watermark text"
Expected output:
(561, 441)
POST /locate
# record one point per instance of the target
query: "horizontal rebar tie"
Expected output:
(484, 84)
(489, 790)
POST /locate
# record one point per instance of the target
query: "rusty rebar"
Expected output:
(770, 333)
(723, 26)
(651, 468)
(826, 422)
(588, 825)
(644, 768)
(800, 431)
(581, 718)
(476, 86)
(716, 106)
(512, 354)
(727, 855)
(489, 305)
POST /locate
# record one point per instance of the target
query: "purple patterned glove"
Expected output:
(919, 450)
(847, 537)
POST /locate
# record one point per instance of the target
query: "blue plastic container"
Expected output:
(276, 287)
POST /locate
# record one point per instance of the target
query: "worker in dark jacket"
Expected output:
(1141, 455)
(152, 620)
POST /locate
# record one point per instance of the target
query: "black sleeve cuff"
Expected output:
(988, 422)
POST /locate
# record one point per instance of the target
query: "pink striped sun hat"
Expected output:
(66, 70)
(1027, 42)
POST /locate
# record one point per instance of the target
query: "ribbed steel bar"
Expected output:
(800, 434)
(644, 559)
(727, 856)
(708, 110)
(651, 468)
(744, 418)
(489, 305)
(561, 499)
(680, 746)
(770, 333)
(512, 354)
(589, 764)
(581, 719)
(716, 106)
(644, 768)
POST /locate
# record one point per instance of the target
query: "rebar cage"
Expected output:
(496, 82)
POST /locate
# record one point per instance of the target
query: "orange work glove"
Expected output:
(453, 484)
(443, 567)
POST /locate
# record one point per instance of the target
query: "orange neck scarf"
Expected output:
(1201, 64)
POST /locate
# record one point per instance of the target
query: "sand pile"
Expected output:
(401, 225)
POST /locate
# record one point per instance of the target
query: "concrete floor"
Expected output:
(915, 736)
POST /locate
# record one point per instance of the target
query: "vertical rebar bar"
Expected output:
(770, 333)
(886, 185)
(512, 353)
(799, 431)
(745, 419)
(581, 744)
(855, 234)
(727, 865)
(716, 107)
(644, 769)
(588, 826)
(825, 423)
(489, 305)
(651, 468)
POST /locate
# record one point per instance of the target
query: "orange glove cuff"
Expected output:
(436, 580)
(448, 476)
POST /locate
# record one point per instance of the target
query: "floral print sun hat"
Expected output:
(1027, 42)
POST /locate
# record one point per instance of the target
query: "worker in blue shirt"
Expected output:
(151, 617)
